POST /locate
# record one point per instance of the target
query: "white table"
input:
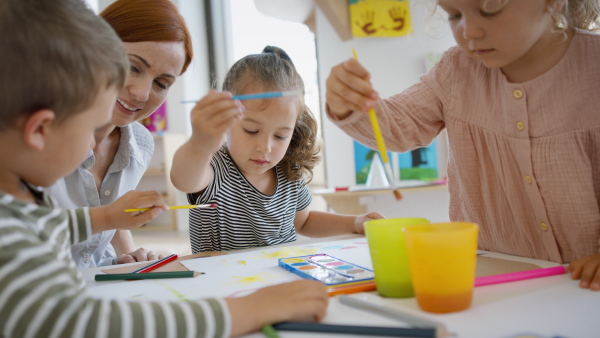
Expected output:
(544, 307)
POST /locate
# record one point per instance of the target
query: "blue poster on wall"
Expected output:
(419, 164)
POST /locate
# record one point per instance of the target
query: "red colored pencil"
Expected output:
(156, 264)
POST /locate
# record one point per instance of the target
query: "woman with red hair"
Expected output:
(159, 48)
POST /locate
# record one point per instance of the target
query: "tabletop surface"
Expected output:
(544, 307)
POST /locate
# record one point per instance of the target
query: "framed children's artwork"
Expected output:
(418, 164)
(157, 122)
(363, 158)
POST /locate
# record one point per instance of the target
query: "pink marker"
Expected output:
(516, 276)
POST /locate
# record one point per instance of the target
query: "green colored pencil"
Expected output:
(147, 275)
(269, 331)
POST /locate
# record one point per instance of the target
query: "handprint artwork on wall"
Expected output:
(366, 22)
(380, 18)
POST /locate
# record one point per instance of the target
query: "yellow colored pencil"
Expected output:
(381, 145)
(193, 206)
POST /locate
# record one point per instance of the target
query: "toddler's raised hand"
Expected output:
(212, 116)
(349, 89)
(300, 300)
(588, 270)
(113, 216)
(360, 220)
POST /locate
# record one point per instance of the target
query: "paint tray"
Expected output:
(327, 269)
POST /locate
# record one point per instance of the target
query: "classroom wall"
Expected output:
(395, 64)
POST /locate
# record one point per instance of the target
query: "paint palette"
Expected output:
(327, 269)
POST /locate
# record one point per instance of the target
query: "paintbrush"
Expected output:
(381, 145)
(193, 206)
(267, 95)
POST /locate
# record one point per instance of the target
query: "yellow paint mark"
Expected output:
(253, 279)
(241, 262)
(286, 252)
(177, 294)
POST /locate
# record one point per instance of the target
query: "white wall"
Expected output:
(394, 64)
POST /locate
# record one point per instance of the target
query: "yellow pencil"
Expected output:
(193, 206)
(381, 145)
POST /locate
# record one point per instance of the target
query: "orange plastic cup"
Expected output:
(442, 259)
(388, 254)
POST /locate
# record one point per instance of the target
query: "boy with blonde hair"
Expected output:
(61, 68)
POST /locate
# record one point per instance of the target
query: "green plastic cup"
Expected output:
(388, 254)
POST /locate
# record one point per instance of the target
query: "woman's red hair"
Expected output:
(149, 20)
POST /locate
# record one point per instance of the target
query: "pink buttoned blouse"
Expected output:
(524, 158)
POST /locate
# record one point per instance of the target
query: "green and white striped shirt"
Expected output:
(42, 294)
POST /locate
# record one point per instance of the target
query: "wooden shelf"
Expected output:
(348, 202)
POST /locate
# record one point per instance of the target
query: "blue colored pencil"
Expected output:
(267, 95)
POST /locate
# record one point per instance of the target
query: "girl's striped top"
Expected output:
(244, 217)
(42, 294)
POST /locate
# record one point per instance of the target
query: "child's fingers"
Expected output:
(346, 91)
(357, 78)
(340, 103)
(353, 66)
(216, 118)
(124, 259)
(575, 268)
(590, 274)
(225, 118)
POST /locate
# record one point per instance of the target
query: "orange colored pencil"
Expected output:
(362, 287)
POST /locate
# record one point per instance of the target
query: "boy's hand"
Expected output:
(349, 89)
(588, 270)
(359, 222)
(113, 216)
(300, 300)
(139, 255)
(212, 116)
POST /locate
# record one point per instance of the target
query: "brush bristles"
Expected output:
(397, 194)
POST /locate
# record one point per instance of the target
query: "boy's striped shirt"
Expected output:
(42, 294)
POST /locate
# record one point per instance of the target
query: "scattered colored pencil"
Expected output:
(347, 289)
(522, 275)
(267, 95)
(150, 275)
(358, 330)
(269, 331)
(408, 318)
(193, 206)
(156, 264)
(382, 150)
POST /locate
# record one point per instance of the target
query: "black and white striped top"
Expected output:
(245, 217)
(42, 294)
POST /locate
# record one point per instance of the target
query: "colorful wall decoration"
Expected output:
(380, 18)
(419, 164)
(157, 122)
